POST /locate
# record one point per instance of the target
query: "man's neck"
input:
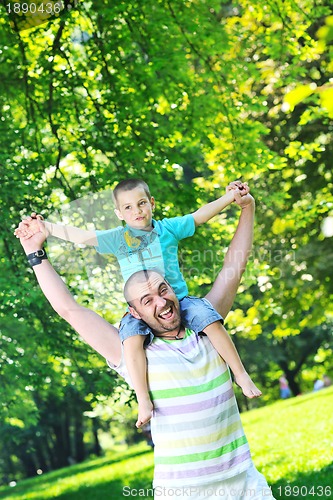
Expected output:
(177, 334)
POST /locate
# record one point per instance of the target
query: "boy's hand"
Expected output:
(30, 226)
(145, 412)
(240, 186)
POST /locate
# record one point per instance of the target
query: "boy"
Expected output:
(148, 244)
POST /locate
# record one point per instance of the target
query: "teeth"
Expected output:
(165, 312)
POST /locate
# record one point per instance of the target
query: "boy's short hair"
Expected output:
(128, 185)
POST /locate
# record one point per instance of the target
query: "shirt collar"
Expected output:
(138, 232)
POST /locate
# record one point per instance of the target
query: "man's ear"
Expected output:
(118, 214)
(134, 312)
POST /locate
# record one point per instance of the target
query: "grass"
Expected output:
(94, 479)
(291, 443)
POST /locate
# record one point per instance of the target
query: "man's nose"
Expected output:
(160, 302)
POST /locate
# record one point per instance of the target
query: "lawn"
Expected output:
(291, 443)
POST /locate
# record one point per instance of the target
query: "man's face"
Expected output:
(155, 302)
(135, 208)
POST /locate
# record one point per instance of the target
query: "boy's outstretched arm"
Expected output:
(35, 223)
(205, 213)
(70, 233)
(225, 286)
(98, 333)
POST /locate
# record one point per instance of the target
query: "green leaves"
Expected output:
(297, 95)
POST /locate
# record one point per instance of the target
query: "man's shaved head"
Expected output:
(140, 277)
(151, 298)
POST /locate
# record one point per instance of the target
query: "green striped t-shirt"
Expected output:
(196, 427)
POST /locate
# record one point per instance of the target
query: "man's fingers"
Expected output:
(30, 226)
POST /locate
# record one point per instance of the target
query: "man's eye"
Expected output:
(147, 302)
(164, 290)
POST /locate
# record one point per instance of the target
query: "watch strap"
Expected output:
(36, 258)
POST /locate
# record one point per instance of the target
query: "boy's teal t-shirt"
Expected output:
(136, 250)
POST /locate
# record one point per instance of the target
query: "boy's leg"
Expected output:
(134, 333)
(222, 342)
(136, 363)
(200, 316)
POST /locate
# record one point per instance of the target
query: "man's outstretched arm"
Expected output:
(98, 333)
(224, 289)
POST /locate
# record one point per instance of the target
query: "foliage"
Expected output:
(189, 95)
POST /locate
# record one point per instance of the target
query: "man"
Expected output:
(200, 447)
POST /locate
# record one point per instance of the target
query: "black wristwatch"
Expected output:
(36, 258)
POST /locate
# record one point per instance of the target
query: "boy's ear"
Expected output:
(118, 214)
(152, 202)
(134, 312)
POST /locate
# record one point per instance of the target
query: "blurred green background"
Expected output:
(188, 95)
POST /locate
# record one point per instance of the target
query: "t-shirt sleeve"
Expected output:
(181, 227)
(108, 241)
(121, 368)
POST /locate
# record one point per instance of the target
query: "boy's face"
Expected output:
(135, 208)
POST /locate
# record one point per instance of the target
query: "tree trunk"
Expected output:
(97, 447)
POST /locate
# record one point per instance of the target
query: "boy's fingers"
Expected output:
(238, 196)
(23, 225)
(34, 215)
(244, 190)
(234, 184)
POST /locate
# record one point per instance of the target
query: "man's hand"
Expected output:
(244, 200)
(34, 242)
(242, 193)
(30, 226)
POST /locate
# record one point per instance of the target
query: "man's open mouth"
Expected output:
(167, 313)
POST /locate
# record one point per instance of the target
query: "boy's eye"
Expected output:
(128, 207)
(142, 202)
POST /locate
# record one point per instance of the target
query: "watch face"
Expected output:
(24, 16)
